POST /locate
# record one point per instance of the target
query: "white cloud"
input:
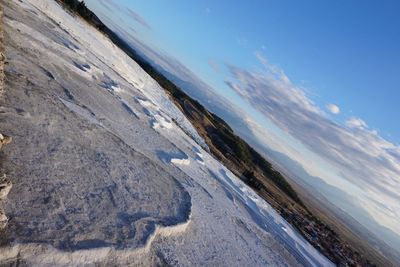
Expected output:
(356, 123)
(332, 108)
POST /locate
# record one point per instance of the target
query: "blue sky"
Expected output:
(319, 80)
(343, 52)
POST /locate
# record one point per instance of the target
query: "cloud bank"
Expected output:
(367, 162)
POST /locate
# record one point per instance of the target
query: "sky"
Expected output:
(318, 81)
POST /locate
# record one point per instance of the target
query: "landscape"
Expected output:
(113, 154)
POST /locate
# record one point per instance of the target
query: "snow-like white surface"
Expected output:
(109, 171)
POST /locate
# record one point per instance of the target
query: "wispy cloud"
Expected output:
(358, 154)
(111, 6)
(133, 30)
(356, 123)
(106, 4)
(139, 19)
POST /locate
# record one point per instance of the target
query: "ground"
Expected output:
(106, 170)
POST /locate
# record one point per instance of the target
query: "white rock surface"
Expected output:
(5, 187)
(107, 171)
(3, 220)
